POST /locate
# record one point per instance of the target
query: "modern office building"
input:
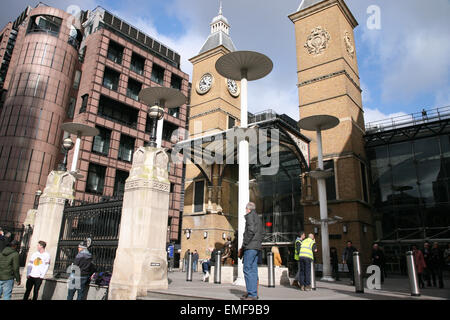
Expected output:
(87, 69)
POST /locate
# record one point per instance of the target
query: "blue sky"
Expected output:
(404, 66)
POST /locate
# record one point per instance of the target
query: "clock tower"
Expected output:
(209, 216)
(329, 83)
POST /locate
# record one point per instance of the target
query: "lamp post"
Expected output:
(80, 130)
(67, 146)
(320, 123)
(158, 98)
(243, 66)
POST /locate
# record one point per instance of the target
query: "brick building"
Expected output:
(87, 69)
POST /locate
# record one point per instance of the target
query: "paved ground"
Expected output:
(394, 288)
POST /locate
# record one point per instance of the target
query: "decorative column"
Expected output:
(47, 223)
(141, 258)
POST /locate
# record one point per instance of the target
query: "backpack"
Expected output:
(102, 278)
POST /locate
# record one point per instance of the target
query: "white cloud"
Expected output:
(373, 115)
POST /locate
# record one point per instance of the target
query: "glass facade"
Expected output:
(411, 188)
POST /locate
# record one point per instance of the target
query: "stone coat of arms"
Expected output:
(348, 44)
(317, 41)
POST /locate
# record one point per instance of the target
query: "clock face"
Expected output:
(233, 87)
(205, 83)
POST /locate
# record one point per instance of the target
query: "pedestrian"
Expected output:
(83, 261)
(206, 265)
(420, 264)
(4, 239)
(347, 258)
(427, 258)
(298, 245)
(437, 265)
(276, 257)
(251, 245)
(36, 270)
(170, 256)
(378, 259)
(334, 263)
(306, 257)
(195, 261)
(186, 259)
(447, 256)
(9, 269)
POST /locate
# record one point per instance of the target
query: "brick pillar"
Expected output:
(141, 258)
(48, 219)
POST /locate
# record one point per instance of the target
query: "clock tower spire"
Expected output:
(215, 107)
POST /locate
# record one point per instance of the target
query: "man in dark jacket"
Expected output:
(347, 258)
(80, 276)
(378, 259)
(4, 240)
(436, 265)
(9, 269)
(334, 260)
(251, 245)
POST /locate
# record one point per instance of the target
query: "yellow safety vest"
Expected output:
(306, 249)
(297, 252)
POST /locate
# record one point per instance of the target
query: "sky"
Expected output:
(402, 46)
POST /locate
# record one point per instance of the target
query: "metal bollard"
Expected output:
(189, 268)
(359, 285)
(218, 268)
(313, 276)
(271, 269)
(413, 281)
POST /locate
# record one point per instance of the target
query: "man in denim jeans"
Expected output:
(83, 261)
(251, 245)
(9, 269)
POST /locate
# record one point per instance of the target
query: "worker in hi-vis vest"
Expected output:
(297, 246)
(307, 250)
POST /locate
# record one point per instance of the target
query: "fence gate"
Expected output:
(98, 221)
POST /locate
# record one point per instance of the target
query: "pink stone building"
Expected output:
(89, 69)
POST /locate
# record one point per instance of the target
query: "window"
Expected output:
(46, 24)
(168, 130)
(115, 52)
(96, 179)
(102, 141)
(76, 81)
(119, 182)
(364, 183)
(134, 88)
(118, 112)
(137, 63)
(158, 74)
(126, 148)
(176, 82)
(111, 79)
(174, 112)
(330, 182)
(84, 103)
(199, 195)
(75, 37)
(71, 108)
(231, 122)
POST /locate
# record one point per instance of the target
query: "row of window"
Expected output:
(115, 54)
(96, 180)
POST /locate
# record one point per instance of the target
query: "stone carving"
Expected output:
(60, 185)
(349, 45)
(317, 41)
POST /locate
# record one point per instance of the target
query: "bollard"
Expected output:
(413, 281)
(359, 286)
(189, 268)
(218, 268)
(313, 276)
(271, 269)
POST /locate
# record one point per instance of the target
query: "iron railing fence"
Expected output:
(99, 222)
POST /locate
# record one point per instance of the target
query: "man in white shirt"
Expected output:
(36, 270)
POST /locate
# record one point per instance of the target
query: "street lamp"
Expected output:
(37, 195)
(80, 130)
(320, 123)
(243, 66)
(158, 98)
(67, 146)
